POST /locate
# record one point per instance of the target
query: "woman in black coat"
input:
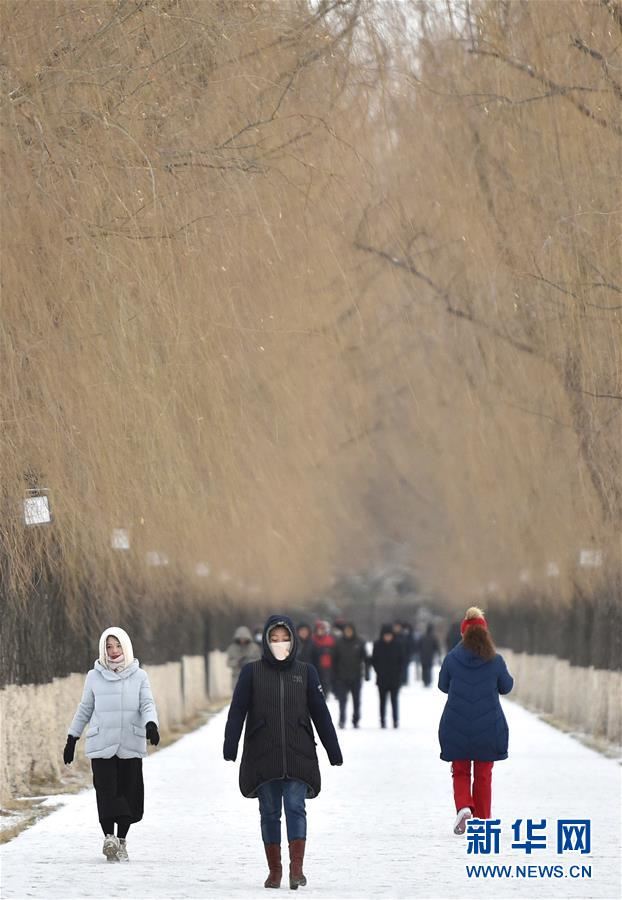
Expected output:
(388, 661)
(279, 696)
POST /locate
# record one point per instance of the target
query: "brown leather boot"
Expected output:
(296, 857)
(273, 855)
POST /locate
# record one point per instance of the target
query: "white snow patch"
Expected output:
(381, 826)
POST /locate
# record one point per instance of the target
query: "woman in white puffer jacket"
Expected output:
(118, 706)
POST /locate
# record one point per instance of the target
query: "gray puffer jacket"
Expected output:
(242, 650)
(117, 705)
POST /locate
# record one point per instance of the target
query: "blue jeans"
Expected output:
(291, 793)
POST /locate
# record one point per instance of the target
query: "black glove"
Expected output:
(153, 735)
(70, 749)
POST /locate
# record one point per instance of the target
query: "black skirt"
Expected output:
(119, 788)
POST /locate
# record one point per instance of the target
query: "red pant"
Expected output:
(478, 799)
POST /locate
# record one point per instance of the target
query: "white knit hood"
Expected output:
(126, 645)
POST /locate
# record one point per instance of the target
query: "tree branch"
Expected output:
(562, 90)
(446, 298)
(595, 54)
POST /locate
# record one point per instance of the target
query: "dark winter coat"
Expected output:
(428, 647)
(350, 660)
(473, 725)
(305, 650)
(388, 659)
(453, 636)
(279, 699)
(410, 643)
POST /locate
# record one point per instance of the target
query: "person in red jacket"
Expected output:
(323, 654)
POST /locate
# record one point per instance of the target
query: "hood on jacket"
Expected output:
(109, 675)
(267, 653)
(386, 629)
(467, 657)
(242, 633)
(123, 638)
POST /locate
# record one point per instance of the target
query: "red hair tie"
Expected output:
(467, 622)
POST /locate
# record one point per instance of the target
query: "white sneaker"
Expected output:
(111, 848)
(461, 819)
(122, 851)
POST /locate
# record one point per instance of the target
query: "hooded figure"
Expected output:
(241, 650)
(118, 707)
(116, 704)
(127, 656)
(280, 699)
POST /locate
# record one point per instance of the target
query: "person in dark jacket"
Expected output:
(349, 665)
(279, 697)
(410, 648)
(473, 728)
(429, 647)
(388, 661)
(399, 636)
(305, 644)
(453, 636)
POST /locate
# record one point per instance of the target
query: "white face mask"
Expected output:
(280, 649)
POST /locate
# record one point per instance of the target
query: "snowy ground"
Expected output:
(380, 828)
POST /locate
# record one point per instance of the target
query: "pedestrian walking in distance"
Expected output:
(118, 706)
(306, 647)
(429, 648)
(349, 666)
(240, 651)
(473, 730)
(388, 661)
(323, 654)
(279, 697)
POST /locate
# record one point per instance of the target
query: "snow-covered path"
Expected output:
(380, 828)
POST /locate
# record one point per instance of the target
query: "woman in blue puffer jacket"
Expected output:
(473, 728)
(118, 706)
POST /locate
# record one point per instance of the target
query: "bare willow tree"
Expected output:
(497, 216)
(295, 289)
(175, 174)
